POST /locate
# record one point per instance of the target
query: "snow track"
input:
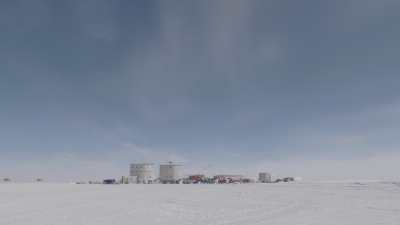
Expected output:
(288, 204)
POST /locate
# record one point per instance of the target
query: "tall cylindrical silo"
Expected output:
(170, 172)
(144, 172)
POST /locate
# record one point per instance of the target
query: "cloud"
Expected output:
(218, 33)
(197, 54)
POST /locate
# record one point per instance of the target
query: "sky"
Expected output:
(296, 88)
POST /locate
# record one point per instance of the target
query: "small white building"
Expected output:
(264, 177)
(143, 172)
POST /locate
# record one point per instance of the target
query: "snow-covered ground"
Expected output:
(290, 204)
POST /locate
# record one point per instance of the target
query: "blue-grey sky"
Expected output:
(306, 88)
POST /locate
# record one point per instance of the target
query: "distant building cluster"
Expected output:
(172, 173)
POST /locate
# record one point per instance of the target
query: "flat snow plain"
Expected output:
(319, 203)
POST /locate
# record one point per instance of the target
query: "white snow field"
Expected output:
(283, 203)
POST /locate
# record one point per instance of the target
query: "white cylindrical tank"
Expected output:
(170, 172)
(144, 172)
(264, 177)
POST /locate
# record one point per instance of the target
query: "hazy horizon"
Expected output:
(308, 88)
